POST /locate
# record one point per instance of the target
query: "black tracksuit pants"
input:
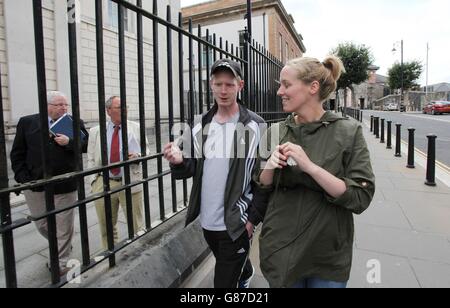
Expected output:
(232, 258)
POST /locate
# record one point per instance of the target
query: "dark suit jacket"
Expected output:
(26, 158)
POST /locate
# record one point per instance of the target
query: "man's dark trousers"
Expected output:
(232, 258)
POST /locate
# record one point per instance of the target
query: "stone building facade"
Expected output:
(18, 64)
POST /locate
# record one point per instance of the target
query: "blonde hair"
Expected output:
(327, 73)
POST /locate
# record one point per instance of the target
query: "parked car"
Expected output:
(427, 108)
(390, 107)
(437, 107)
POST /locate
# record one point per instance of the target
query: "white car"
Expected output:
(390, 107)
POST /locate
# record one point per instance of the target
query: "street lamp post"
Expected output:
(401, 91)
(426, 87)
(401, 73)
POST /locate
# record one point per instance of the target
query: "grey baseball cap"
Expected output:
(232, 66)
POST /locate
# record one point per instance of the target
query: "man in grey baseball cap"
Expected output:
(222, 191)
(227, 64)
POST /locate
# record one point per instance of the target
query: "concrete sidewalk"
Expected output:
(31, 249)
(405, 233)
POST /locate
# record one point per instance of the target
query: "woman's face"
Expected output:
(294, 92)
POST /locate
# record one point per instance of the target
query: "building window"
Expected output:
(241, 42)
(286, 52)
(281, 47)
(210, 52)
(113, 17)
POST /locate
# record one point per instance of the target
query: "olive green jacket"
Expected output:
(307, 233)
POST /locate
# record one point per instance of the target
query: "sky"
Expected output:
(379, 25)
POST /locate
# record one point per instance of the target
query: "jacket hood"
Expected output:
(310, 128)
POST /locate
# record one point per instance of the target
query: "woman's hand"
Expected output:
(297, 153)
(277, 160)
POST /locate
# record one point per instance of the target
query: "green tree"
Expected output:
(411, 73)
(356, 59)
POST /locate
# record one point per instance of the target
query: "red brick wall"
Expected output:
(276, 24)
(277, 27)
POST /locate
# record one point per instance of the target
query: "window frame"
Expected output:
(112, 19)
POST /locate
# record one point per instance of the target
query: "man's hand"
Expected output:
(250, 227)
(173, 154)
(133, 155)
(62, 140)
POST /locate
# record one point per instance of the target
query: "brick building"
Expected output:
(273, 26)
(365, 94)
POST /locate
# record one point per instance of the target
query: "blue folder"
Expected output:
(64, 126)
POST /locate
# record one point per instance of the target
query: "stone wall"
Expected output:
(3, 65)
(88, 86)
(57, 61)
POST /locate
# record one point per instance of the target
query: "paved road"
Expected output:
(424, 125)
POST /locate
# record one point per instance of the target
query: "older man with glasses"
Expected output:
(116, 175)
(27, 164)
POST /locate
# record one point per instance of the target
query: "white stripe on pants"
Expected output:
(64, 220)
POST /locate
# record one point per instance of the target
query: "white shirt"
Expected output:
(218, 147)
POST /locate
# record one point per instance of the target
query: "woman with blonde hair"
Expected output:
(318, 177)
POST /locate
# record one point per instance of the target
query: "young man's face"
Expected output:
(226, 87)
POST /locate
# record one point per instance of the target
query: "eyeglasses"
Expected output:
(60, 105)
(117, 108)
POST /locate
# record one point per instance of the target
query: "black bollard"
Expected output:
(389, 135)
(361, 116)
(431, 161)
(411, 149)
(371, 123)
(374, 125)
(382, 131)
(377, 127)
(398, 144)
